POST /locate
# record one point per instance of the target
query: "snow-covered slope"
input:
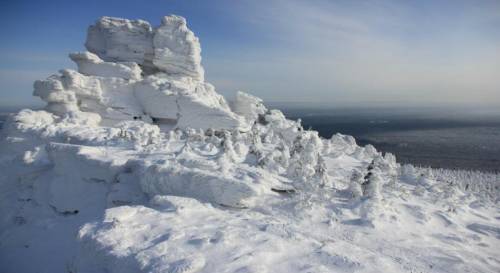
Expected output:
(138, 165)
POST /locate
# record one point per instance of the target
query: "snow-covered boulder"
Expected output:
(176, 49)
(91, 65)
(186, 101)
(71, 91)
(53, 91)
(121, 40)
(172, 47)
(248, 106)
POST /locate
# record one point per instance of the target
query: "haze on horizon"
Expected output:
(357, 53)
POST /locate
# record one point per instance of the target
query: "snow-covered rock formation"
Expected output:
(138, 165)
(134, 71)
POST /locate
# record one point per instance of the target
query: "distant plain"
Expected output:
(458, 138)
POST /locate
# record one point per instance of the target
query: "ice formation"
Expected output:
(138, 165)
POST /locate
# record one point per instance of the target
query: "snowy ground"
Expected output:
(105, 203)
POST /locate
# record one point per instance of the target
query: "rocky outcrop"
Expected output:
(136, 72)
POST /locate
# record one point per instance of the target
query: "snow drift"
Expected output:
(137, 165)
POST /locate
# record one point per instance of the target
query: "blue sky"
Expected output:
(337, 53)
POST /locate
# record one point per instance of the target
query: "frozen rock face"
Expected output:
(176, 49)
(117, 39)
(136, 72)
(190, 102)
(170, 48)
(70, 91)
(91, 65)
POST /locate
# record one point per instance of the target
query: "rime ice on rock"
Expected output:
(117, 39)
(135, 72)
(171, 47)
(91, 65)
(176, 49)
(248, 106)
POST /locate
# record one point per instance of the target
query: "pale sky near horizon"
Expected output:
(356, 53)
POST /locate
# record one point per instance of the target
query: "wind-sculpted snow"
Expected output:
(137, 165)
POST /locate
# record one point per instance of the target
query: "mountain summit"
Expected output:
(133, 71)
(136, 164)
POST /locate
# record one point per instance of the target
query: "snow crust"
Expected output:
(138, 165)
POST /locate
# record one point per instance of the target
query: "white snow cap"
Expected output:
(136, 72)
